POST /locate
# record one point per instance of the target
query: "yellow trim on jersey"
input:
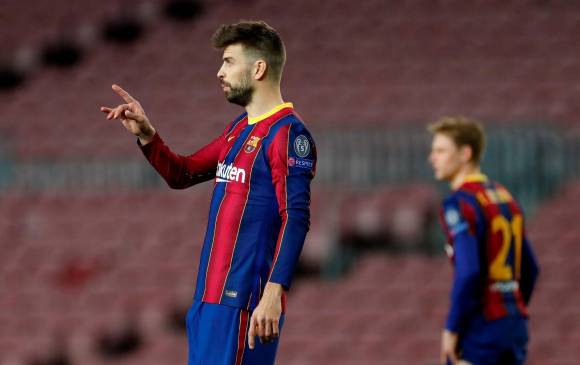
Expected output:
(254, 120)
(475, 178)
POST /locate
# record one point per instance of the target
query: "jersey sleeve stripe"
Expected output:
(284, 204)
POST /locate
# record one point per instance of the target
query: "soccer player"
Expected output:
(262, 165)
(494, 267)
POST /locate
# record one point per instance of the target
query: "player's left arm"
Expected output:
(467, 274)
(292, 158)
(530, 271)
(467, 267)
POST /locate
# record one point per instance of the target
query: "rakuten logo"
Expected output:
(227, 173)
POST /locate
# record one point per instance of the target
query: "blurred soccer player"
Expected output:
(262, 165)
(494, 267)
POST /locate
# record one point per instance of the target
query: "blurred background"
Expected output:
(98, 256)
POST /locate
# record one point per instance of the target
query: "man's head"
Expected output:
(253, 55)
(458, 143)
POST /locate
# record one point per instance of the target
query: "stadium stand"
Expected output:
(434, 62)
(73, 264)
(79, 266)
(26, 26)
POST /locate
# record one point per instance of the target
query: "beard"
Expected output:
(241, 95)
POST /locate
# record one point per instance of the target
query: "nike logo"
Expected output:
(231, 137)
(222, 180)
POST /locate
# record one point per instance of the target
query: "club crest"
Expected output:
(251, 144)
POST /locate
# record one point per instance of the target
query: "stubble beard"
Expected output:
(241, 95)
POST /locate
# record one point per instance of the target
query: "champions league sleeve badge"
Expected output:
(301, 146)
(454, 221)
(452, 217)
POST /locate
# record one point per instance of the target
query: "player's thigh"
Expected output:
(474, 353)
(216, 334)
(502, 341)
(263, 353)
(463, 362)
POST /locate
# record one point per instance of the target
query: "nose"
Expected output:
(431, 158)
(220, 73)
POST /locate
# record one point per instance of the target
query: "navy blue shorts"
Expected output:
(217, 334)
(503, 341)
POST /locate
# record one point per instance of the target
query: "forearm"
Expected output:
(288, 249)
(180, 171)
(463, 302)
(465, 294)
(530, 272)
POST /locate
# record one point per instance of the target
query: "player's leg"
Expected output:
(519, 355)
(503, 341)
(216, 334)
(520, 340)
(480, 355)
(193, 328)
(518, 350)
(262, 354)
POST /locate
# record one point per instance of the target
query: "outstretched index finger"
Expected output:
(122, 93)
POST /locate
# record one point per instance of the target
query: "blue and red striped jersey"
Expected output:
(260, 208)
(495, 269)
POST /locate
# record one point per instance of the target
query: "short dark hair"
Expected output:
(256, 36)
(464, 132)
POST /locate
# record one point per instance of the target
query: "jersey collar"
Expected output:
(475, 178)
(266, 115)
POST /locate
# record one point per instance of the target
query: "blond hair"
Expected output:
(464, 132)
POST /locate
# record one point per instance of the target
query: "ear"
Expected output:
(260, 68)
(466, 153)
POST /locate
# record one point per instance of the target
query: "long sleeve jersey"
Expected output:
(495, 269)
(260, 208)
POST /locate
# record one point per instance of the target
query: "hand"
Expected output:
(265, 319)
(449, 347)
(132, 116)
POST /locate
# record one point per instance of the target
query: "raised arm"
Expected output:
(178, 171)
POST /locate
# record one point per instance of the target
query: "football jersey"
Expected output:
(260, 208)
(483, 217)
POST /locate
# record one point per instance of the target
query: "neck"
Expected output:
(459, 178)
(264, 100)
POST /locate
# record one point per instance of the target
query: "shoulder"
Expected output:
(290, 140)
(235, 122)
(459, 197)
(504, 193)
(291, 128)
(460, 209)
(452, 208)
(505, 196)
(289, 121)
(452, 216)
